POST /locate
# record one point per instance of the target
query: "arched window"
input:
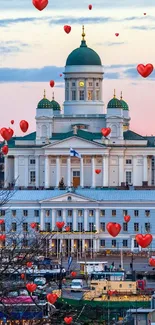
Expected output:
(44, 131)
(114, 131)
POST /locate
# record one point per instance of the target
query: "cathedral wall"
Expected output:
(113, 171)
(87, 175)
(10, 172)
(42, 171)
(52, 175)
(64, 124)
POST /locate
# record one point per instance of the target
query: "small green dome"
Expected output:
(124, 104)
(55, 105)
(44, 103)
(83, 55)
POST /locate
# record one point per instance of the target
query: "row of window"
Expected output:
(115, 244)
(90, 84)
(80, 213)
(81, 95)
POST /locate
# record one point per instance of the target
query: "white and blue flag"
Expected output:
(74, 153)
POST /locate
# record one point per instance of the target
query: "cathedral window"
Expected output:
(81, 95)
(128, 177)
(97, 84)
(128, 161)
(73, 84)
(90, 94)
(97, 94)
(90, 84)
(32, 176)
(67, 94)
(32, 161)
(73, 94)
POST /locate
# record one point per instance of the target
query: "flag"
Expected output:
(70, 259)
(74, 153)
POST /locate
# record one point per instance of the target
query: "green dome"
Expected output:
(114, 103)
(83, 55)
(44, 103)
(55, 105)
(124, 104)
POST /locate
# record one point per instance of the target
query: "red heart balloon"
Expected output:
(67, 29)
(144, 240)
(52, 83)
(73, 274)
(24, 125)
(97, 171)
(152, 261)
(67, 228)
(127, 218)
(40, 4)
(31, 287)
(52, 298)
(144, 13)
(60, 224)
(7, 133)
(22, 276)
(116, 34)
(2, 237)
(113, 228)
(12, 121)
(33, 225)
(90, 7)
(60, 74)
(145, 70)
(68, 320)
(1, 221)
(105, 131)
(29, 264)
(5, 150)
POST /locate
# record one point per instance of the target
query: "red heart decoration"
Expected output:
(144, 240)
(5, 150)
(152, 261)
(90, 7)
(105, 131)
(12, 121)
(31, 287)
(145, 70)
(52, 83)
(40, 4)
(113, 228)
(24, 125)
(22, 276)
(67, 228)
(29, 264)
(60, 74)
(7, 133)
(68, 320)
(67, 29)
(33, 225)
(116, 34)
(52, 298)
(60, 224)
(1, 221)
(127, 218)
(144, 13)
(97, 171)
(2, 237)
(73, 274)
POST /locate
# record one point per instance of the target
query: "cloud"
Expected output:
(142, 27)
(111, 43)
(133, 74)
(112, 75)
(9, 47)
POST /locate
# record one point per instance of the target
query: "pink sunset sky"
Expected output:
(34, 49)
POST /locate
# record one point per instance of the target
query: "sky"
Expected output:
(34, 49)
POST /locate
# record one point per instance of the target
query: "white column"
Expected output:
(6, 165)
(97, 220)
(83, 245)
(74, 220)
(16, 171)
(26, 170)
(57, 171)
(68, 171)
(85, 220)
(145, 169)
(54, 219)
(47, 175)
(42, 220)
(64, 216)
(121, 169)
(105, 170)
(37, 171)
(134, 173)
(97, 245)
(81, 172)
(72, 245)
(93, 171)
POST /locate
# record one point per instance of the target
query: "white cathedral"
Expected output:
(38, 161)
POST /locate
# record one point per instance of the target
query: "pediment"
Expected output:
(68, 197)
(74, 142)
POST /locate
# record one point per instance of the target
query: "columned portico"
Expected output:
(37, 171)
(81, 173)
(47, 172)
(6, 167)
(68, 171)
(57, 171)
(121, 169)
(93, 171)
(105, 164)
(145, 170)
(26, 171)
(16, 170)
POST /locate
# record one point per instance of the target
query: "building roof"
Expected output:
(114, 102)
(92, 194)
(123, 103)
(130, 135)
(83, 55)
(44, 103)
(55, 105)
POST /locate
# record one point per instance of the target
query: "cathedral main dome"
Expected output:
(83, 55)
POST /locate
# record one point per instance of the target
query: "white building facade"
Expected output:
(39, 160)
